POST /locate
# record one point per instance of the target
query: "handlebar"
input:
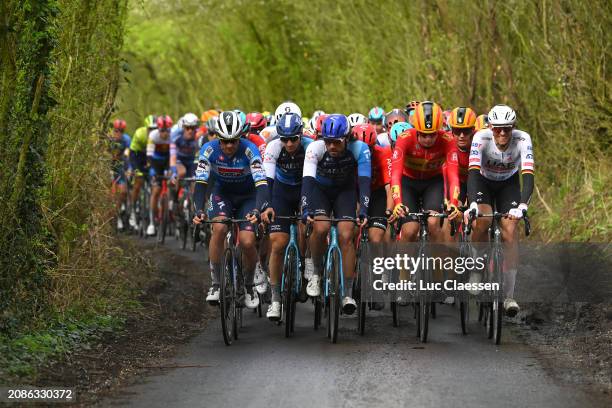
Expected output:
(497, 216)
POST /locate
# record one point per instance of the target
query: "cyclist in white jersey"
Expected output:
(496, 155)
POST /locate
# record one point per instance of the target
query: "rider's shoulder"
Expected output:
(484, 135)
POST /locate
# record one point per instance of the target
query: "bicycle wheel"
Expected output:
(318, 306)
(424, 303)
(163, 223)
(194, 237)
(288, 283)
(227, 293)
(362, 272)
(497, 305)
(238, 282)
(334, 296)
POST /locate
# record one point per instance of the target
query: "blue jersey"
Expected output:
(285, 167)
(118, 147)
(185, 149)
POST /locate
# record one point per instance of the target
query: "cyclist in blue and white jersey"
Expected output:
(337, 176)
(284, 164)
(269, 132)
(186, 146)
(240, 191)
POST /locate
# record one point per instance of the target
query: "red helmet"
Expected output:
(164, 122)
(257, 121)
(319, 125)
(119, 124)
(366, 133)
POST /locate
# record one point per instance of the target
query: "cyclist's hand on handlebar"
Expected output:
(307, 217)
(199, 217)
(400, 210)
(517, 213)
(268, 215)
(391, 218)
(472, 212)
(363, 220)
(453, 212)
(253, 217)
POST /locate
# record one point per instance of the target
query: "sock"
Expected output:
(348, 287)
(215, 273)
(276, 293)
(509, 281)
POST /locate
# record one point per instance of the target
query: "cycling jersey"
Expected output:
(381, 167)
(140, 140)
(282, 166)
(269, 133)
(383, 139)
(118, 147)
(351, 167)
(242, 174)
(185, 149)
(159, 148)
(496, 165)
(416, 162)
(258, 141)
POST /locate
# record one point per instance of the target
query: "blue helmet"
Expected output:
(376, 114)
(335, 126)
(397, 129)
(289, 124)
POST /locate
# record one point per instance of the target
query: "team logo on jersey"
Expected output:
(203, 168)
(249, 153)
(529, 156)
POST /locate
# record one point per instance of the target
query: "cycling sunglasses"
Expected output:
(228, 141)
(190, 127)
(462, 131)
(333, 141)
(290, 139)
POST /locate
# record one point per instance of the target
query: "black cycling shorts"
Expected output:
(501, 195)
(377, 208)
(342, 202)
(286, 202)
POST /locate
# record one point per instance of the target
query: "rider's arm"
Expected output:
(474, 167)
(202, 175)
(314, 152)
(271, 154)
(451, 172)
(259, 177)
(151, 145)
(527, 168)
(362, 154)
(397, 168)
(388, 153)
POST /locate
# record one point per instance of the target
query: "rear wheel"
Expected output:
(227, 293)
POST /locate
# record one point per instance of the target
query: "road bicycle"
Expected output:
(492, 308)
(185, 211)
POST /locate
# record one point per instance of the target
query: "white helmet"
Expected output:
(316, 114)
(229, 125)
(190, 119)
(355, 119)
(501, 115)
(312, 123)
(286, 107)
(179, 123)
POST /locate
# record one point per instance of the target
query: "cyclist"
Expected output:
(375, 117)
(390, 119)
(160, 158)
(284, 163)
(461, 122)
(319, 125)
(119, 147)
(240, 191)
(138, 160)
(185, 145)
(257, 122)
(269, 133)
(396, 130)
(336, 176)
(496, 155)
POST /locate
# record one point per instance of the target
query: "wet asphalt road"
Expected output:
(385, 367)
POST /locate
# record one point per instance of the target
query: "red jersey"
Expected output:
(381, 166)
(412, 160)
(259, 141)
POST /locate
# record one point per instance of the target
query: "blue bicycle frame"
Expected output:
(293, 243)
(333, 246)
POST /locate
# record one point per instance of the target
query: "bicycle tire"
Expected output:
(497, 301)
(227, 293)
(358, 295)
(161, 233)
(238, 307)
(288, 301)
(424, 303)
(334, 297)
(194, 235)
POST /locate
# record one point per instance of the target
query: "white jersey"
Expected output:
(269, 133)
(159, 147)
(383, 139)
(497, 165)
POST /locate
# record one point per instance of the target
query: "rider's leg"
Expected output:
(278, 243)
(219, 208)
(508, 197)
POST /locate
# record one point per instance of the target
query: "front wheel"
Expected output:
(333, 274)
(227, 295)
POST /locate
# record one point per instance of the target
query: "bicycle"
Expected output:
(231, 280)
(184, 211)
(492, 310)
(165, 206)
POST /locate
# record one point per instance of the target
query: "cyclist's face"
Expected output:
(427, 139)
(502, 135)
(335, 147)
(164, 133)
(463, 136)
(229, 147)
(290, 143)
(189, 132)
(377, 125)
(116, 134)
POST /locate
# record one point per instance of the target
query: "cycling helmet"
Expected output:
(391, 118)
(319, 125)
(366, 133)
(230, 125)
(211, 113)
(164, 122)
(412, 105)
(287, 107)
(211, 125)
(150, 122)
(481, 122)
(289, 124)
(317, 113)
(462, 117)
(501, 116)
(256, 121)
(190, 120)
(312, 124)
(376, 114)
(119, 124)
(398, 129)
(335, 126)
(428, 117)
(245, 124)
(355, 119)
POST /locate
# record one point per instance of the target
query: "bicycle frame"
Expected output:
(333, 246)
(293, 244)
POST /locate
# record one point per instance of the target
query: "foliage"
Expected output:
(547, 59)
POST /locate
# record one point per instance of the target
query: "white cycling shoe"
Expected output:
(511, 307)
(119, 224)
(313, 288)
(133, 219)
(449, 300)
(251, 301)
(274, 311)
(151, 230)
(349, 305)
(308, 268)
(260, 280)
(213, 295)
(475, 277)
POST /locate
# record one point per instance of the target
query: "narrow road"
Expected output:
(385, 367)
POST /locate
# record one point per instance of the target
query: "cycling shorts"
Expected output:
(377, 208)
(501, 195)
(139, 162)
(189, 164)
(158, 170)
(286, 202)
(327, 200)
(232, 205)
(418, 194)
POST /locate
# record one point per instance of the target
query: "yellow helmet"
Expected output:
(209, 114)
(462, 117)
(428, 117)
(481, 122)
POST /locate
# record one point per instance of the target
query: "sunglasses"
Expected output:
(290, 139)
(463, 131)
(190, 127)
(228, 141)
(506, 129)
(333, 141)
